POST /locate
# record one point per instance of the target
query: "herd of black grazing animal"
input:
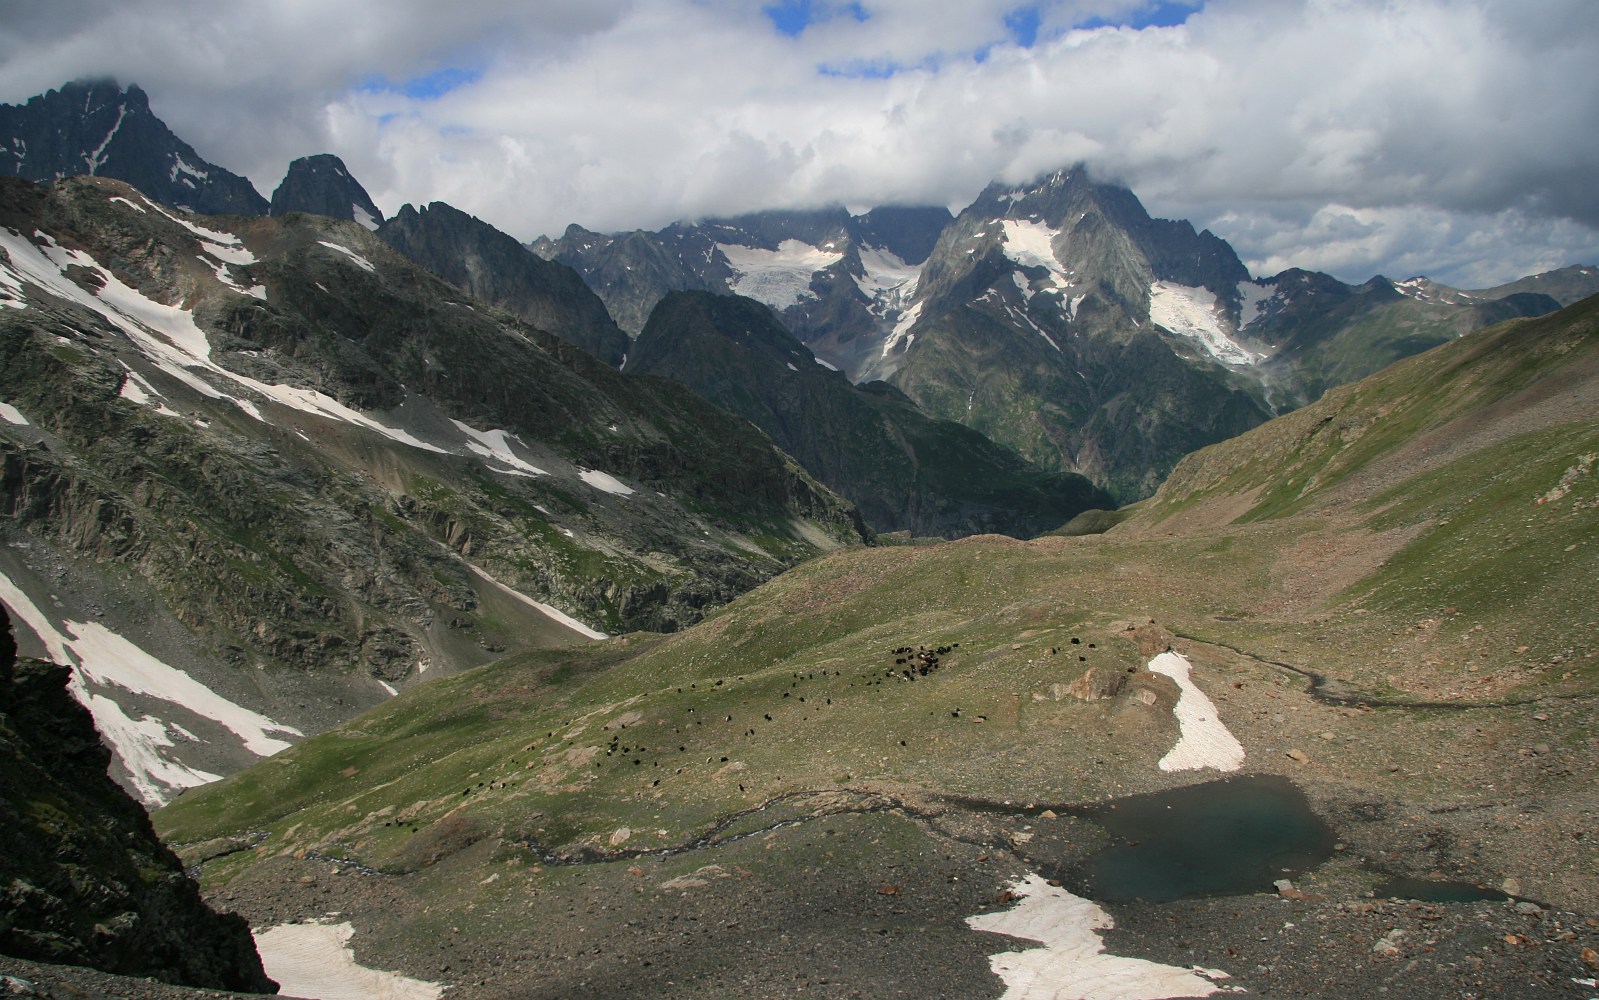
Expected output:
(921, 661)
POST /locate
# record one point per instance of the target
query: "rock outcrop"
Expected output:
(83, 878)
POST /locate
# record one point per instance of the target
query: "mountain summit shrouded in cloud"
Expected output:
(1355, 137)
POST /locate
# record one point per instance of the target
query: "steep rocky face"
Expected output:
(83, 878)
(1038, 321)
(95, 127)
(871, 444)
(631, 273)
(1062, 320)
(297, 471)
(493, 267)
(322, 185)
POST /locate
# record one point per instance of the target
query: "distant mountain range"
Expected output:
(1058, 318)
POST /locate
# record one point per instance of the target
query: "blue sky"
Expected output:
(1445, 137)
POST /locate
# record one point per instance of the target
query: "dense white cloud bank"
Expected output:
(1355, 136)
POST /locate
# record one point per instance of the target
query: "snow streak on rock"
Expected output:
(552, 613)
(356, 258)
(496, 446)
(168, 335)
(605, 482)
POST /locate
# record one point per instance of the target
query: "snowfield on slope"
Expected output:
(1072, 961)
(1205, 741)
(315, 961)
(780, 278)
(1192, 313)
(98, 655)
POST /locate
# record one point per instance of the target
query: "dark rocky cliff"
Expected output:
(83, 878)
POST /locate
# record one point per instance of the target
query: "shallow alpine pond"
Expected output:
(1228, 837)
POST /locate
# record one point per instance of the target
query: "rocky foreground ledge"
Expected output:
(83, 878)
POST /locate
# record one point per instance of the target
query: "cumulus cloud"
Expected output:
(1355, 136)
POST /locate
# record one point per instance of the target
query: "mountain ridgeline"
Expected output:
(322, 185)
(902, 469)
(95, 127)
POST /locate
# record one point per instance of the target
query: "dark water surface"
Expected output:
(1222, 838)
(1428, 890)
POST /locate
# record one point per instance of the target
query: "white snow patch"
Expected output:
(605, 481)
(1205, 741)
(218, 243)
(224, 276)
(315, 960)
(824, 364)
(1023, 285)
(1029, 244)
(11, 294)
(363, 217)
(886, 272)
(136, 208)
(97, 654)
(1023, 319)
(496, 445)
(1193, 313)
(11, 415)
(135, 389)
(181, 166)
(359, 260)
(1072, 962)
(902, 329)
(554, 614)
(780, 278)
(790, 366)
(385, 685)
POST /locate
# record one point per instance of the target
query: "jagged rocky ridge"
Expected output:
(307, 470)
(835, 278)
(1083, 262)
(83, 878)
(905, 471)
(95, 127)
